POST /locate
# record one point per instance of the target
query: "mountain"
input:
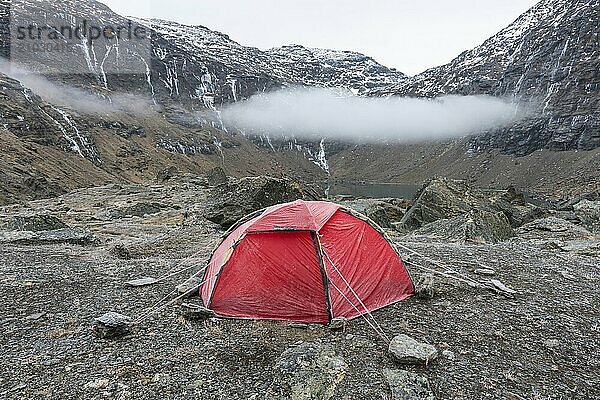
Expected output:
(288, 65)
(139, 109)
(189, 72)
(550, 56)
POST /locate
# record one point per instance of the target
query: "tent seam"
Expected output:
(325, 277)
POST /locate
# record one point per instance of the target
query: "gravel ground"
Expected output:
(539, 344)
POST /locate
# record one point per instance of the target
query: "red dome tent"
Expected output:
(304, 261)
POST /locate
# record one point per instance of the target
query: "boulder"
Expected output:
(167, 173)
(216, 176)
(120, 250)
(311, 371)
(77, 236)
(231, 201)
(36, 223)
(588, 213)
(512, 203)
(519, 215)
(553, 228)
(385, 212)
(476, 226)
(406, 350)
(439, 199)
(446, 199)
(406, 385)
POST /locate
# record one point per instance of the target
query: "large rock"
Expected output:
(311, 371)
(446, 199)
(77, 236)
(216, 176)
(406, 385)
(36, 223)
(512, 203)
(553, 228)
(407, 350)
(439, 199)
(385, 212)
(589, 213)
(232, 201)
(475, 226)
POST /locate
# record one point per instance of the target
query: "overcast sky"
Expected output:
(410, 35)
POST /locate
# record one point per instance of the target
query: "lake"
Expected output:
(372, 189)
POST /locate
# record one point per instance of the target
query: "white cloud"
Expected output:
(312, 113)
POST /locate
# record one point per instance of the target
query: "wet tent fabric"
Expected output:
(306, 262)
(296, 216)
(362, 266)
(256, 283)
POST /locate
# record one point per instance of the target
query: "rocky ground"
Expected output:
(540, 343)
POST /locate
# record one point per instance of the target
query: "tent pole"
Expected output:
(319, 251)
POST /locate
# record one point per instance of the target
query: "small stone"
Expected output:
(406, 385)
(407, 350)
(425, 287)
(502, 287)
(97, 384)
(142, 282)
(349, 337)
(111, 325)
(35, 317)
(338, 324)
(485, 271)
(449, 355)
(195, 311)
(121, 251)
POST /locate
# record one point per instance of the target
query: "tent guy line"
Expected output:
(367, 311)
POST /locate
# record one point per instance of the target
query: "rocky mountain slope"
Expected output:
(288, 65)
(46, 150)
(185, 74)
(550, 56)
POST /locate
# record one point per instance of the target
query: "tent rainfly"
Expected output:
(306, 261)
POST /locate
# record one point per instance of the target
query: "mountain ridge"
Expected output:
(194, 71)
(533, 59)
